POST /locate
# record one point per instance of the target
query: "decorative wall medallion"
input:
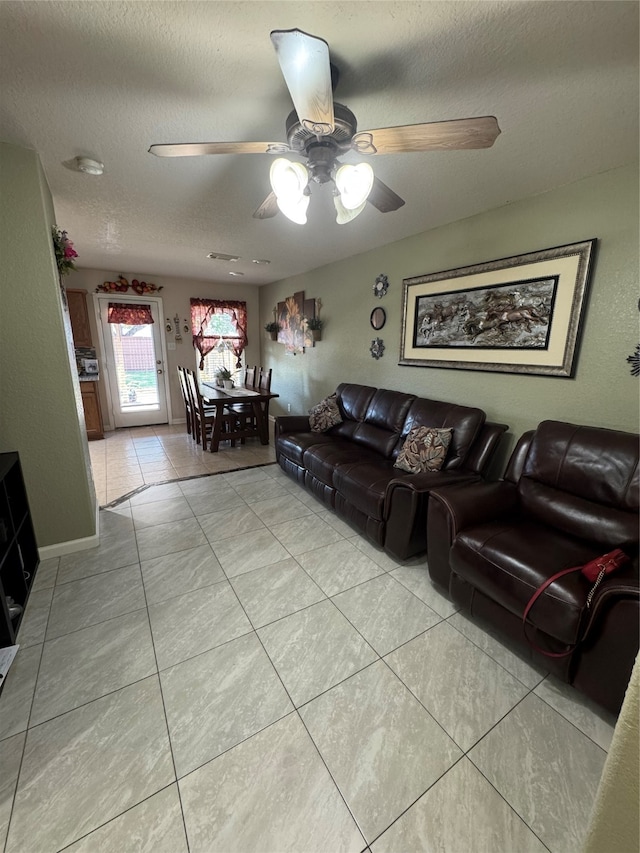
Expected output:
(377, 348)
(381, 286)
(634, 361)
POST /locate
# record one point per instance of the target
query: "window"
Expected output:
(219, 334)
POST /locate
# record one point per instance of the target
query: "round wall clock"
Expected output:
(381, 285)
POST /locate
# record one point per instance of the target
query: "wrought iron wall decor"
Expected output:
(377, 348)
(381, 285)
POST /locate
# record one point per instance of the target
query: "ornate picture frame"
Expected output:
(514, 315)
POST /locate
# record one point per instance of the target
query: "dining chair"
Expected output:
(204, 417)
(250, 376)
(264, 382)
(244, 411)
(185, 398)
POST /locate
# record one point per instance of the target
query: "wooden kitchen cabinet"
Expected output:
(79, 316)
(92, 410)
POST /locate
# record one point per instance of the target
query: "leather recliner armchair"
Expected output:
(569, 494)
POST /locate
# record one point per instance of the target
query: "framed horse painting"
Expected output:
(515, 315)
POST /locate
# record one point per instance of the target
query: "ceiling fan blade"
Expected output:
(268, 208)
(434, 136)
(304, 62)
(195, 149)
(383, 197)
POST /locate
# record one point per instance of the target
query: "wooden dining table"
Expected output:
(221, 397)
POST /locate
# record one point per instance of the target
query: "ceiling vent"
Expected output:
(219, 256)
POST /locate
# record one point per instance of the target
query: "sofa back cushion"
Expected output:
(583, 481)
(383, 421)
(353, 402)
(464, 421)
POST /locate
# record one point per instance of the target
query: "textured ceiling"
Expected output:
(107, 79)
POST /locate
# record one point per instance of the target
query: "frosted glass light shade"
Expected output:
(345, 215)
(288, 181)
(295, 211)
(354, 184)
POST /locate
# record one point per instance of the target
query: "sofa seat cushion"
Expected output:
(509, 561)
(322, 460)
(364, 484)
(293, 445)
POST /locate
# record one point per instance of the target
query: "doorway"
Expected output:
(135, 363)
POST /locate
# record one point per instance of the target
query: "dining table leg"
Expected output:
(217, 425)
(261, 412)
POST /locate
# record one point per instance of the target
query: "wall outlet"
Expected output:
(171, 345)
(288, 407)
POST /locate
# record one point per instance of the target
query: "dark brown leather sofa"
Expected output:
(351, 466)
(569, 494)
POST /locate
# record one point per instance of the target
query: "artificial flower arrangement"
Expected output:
(122, 285)
(63, 248)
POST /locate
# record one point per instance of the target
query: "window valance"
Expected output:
(129, 314)
(207, 333)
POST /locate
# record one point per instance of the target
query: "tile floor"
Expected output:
(234, 669)
(129, 458)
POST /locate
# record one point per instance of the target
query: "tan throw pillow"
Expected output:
(424, 449)
(325, 414)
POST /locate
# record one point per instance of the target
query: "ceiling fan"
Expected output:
(321, 130)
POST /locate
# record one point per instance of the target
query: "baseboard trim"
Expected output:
(61, 549)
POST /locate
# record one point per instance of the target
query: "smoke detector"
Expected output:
(88, 166)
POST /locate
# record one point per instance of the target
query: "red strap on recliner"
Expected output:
(595, 570)
(532, 601)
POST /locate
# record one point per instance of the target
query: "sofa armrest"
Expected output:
(605, 657)
(455, 507)
(476, 503)
(484, 447)
(291, 423)
(405, 509)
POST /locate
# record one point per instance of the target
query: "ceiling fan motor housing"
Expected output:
(345, 126)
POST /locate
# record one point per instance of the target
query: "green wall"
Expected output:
(41, 409)
(602, 392)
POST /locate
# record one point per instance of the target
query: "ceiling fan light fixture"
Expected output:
(343, 214)
(295, 211)
(354, 184)
(288, 180)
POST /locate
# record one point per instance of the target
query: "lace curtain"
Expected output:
(128, 314)
(202, 310)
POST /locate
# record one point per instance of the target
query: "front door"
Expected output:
(135, 365)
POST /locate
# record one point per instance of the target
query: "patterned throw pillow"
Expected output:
(325, 414)
(424, 449)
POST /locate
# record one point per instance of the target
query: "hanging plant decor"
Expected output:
(122, 286)
(63, 248)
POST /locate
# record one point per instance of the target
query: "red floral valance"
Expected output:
(202, 310)
(128, 314)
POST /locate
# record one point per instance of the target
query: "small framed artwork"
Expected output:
(515, 315)
(378, 318)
